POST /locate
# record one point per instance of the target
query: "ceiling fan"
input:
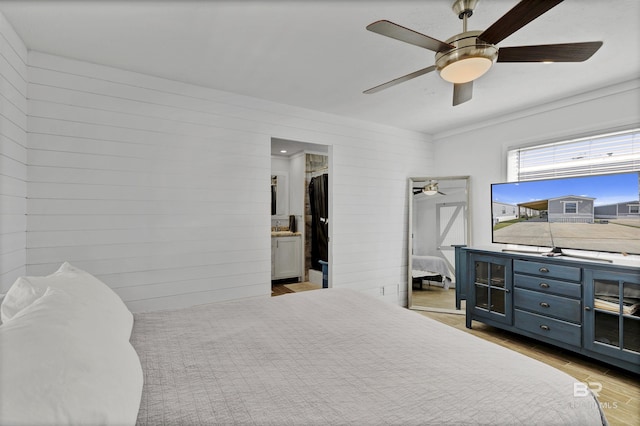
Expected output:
(429, 189)
(468, 55)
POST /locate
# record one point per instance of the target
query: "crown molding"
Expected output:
(613, 89)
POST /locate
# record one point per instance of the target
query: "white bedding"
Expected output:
(336, 356)
(65, 356)
(431, 265)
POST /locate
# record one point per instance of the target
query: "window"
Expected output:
(634, 209)
(601, 154)
(570, 208)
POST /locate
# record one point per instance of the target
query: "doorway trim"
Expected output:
(295, 148)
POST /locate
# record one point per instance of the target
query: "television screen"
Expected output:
(596, 213)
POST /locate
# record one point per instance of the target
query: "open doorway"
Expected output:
(300, 248)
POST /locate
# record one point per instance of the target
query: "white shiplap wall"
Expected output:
(150, 184)
(13, 155)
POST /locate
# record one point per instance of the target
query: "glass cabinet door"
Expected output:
(492, 287)
(612, 315)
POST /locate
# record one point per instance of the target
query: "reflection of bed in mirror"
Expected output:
(431, 267)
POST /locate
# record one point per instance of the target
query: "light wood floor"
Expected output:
(278, 288)
(433, 296)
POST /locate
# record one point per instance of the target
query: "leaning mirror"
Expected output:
(438, 221)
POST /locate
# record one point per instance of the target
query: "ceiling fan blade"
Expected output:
(462, 92)
(565, 52)
(389, 29)
(400, 80)
(519, 16)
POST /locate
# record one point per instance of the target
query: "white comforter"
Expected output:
(430, 265)
(338, 357)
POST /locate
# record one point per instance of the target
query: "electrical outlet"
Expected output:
(390, 289)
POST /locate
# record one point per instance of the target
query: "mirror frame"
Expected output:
(411, 182)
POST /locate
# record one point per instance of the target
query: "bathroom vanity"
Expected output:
(286, 253)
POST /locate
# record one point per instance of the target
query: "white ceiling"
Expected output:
(287, 148)
(317, 54)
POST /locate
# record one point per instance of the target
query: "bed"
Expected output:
(330, 356)
(431, 267)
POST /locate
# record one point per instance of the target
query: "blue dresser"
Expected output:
(589, 307)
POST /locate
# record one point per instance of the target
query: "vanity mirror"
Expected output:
(279, 196)
(438, 221)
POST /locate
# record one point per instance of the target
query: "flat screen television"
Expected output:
(598, 213)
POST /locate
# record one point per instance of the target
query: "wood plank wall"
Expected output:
(13, 155)
(153, 186)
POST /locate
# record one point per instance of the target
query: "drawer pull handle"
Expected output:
(544, 304)
(587, 308)
(543, 269)
(544, 285)
(545, 327)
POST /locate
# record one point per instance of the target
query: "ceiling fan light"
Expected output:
(430, 189)
(465, 70)
(468, 60)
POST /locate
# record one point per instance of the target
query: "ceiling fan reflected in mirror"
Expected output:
(429, 189)
(465, 57)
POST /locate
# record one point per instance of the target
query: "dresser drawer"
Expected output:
(552, 328)
(544, 269)
(545, 285)
(548, 304)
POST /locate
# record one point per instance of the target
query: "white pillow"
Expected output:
(20, 295)
(61, 365)
(82, 286)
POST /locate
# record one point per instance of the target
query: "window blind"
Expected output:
(602, 154)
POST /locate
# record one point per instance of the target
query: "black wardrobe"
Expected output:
(319, 203)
